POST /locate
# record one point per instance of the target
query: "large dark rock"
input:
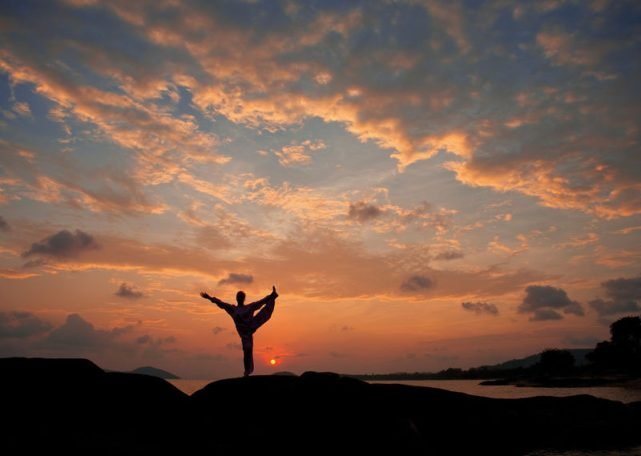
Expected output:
(155, 372)
(341, 413)
(322, 411)
(451, 422)
(72, 406)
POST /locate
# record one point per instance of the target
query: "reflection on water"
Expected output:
(625, 395)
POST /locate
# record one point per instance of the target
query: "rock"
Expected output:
(155, 372)
(73, 406)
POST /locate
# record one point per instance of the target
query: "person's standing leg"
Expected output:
(248, 354)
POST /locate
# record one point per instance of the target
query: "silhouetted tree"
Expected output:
(626, 333)
(555, 361)
(603, 356)
(623, 351)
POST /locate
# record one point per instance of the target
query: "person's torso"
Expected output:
(243, 316)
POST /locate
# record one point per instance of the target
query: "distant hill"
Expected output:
(490, 371)
(155, 372)
(529, 361)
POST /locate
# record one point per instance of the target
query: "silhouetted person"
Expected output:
(246, 322)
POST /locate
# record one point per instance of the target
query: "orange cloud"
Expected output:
(114, 193)
(158, 137)
(220, 191)
(561, 47)
(451, 15)
(297, 154)
(542, 180)
(306, 203)
(579, 241)
(13, 274)
(497, 246)
(269, 79)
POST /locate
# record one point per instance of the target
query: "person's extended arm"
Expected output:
(258, 304)
(215, 300)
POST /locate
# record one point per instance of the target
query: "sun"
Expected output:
(272, 362)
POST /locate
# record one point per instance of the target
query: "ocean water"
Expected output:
(612, 393)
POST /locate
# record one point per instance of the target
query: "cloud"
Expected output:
(579, 241)
(281, 75)
(417, 283)
(128, 292)
(298, 154)
(623, 289)
(624, 296)
(307, 259)
(233, 277)
(144, 339)
(422, 215)
(132, 117)
(496, 246)
(363, 212)
(77, 334)
(609, 307)
(4, 226)
(27, 334)
(335, 354)
(217, 330)
(233, 346)
(545, 303)
(124, 254)
(480, 308)
(449, 255)
(17, 275)
(304, 203)
(21, 325)
(100, 190)
(22, 108)
(628, 230)
(155, 347)
(562, 48)
(545, 315)
(61, 245)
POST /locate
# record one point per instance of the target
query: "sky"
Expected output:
(428, 184)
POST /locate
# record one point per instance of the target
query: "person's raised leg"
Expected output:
(248, 354)
(264, 314)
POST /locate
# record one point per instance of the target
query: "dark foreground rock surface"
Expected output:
(72, 406)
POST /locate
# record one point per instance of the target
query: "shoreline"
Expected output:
(565, 382)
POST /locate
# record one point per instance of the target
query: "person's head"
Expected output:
(240, 298)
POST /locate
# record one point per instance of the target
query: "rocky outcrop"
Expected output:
(155, 372)
(72, 406)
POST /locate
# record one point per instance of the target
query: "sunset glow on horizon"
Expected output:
(428, 184)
